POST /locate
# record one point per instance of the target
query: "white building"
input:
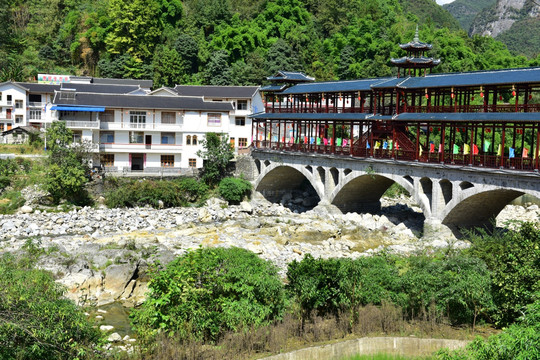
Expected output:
(134, 129)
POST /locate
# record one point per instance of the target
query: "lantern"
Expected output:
(452, 93)
(513, 91)
(481, 92)
(530, 97)
(472, 98)
(488, 131)
(431, 129)
(500, 97)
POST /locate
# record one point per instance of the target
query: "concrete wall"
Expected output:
(369, 346)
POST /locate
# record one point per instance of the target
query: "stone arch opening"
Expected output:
(266, 162)
(334, 173)
(347, 171)
(362, 194)
(446, 189)
(258, 166)
(409, 179)
(464, 185)
(322, 174)
(479, 210)
(291, 188)
(309, 168)
(426, 187)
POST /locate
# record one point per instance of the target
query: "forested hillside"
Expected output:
(466, 10)
(231, 41)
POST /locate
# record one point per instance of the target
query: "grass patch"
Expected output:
(11, 201)
(396, 190)
(385, 357)
(21, 149)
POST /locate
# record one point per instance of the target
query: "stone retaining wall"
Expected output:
(405, 346)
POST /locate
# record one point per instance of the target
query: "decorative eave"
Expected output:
(419, 62)
(416, 44)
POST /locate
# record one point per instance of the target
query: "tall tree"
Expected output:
(281, 57)
(218, 71)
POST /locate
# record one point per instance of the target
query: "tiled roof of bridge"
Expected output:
(210, 91)
(333, 86)
(473, 78)
(319, 116)
(468, 117)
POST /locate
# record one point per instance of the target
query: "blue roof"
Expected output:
(319, 116)
(333, 86)
(290, 76)
(78, 108)
(488, 117)
(474, 78)
(272, 88)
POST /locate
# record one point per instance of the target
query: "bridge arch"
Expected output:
(278, 179)
(361, 191)
(477, 207)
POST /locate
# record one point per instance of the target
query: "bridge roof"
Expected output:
(469, 117)
(474, 79)
(319, 116)
(334, 86)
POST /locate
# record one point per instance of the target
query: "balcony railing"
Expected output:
(81, 124)
(149, 126)
(35, 104)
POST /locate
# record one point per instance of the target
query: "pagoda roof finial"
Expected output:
(416, 36)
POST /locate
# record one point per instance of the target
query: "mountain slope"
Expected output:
(500, 17)
(466, 10)
(429, 12)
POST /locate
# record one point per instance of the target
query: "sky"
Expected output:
(442, 2)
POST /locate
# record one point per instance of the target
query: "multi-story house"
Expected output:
(135, 129)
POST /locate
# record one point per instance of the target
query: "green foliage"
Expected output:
(11, 201)
(233, 189)
(519, 341)
(218, 71)
(206, 292)
(334, 285)
(150, 192)
(36, 321)
(217, 154)
(67, 173)
(513, 258)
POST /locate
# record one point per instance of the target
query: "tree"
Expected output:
(68, 170)
(217, 154)
(218, 71)
(188, 49)
(280, 56)
(346, 60)
(168, 67)
(36, 320)
(206, 292)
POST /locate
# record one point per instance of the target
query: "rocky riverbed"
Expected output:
(102, 255)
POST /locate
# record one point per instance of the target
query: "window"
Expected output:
(18, 104)
(35, 114)
(214, 119)
(232, 142)
(242, 105)
(2, 127)
(107, 116)
(168, 118)
(137, 119)
(188, 140)
(192, 163)
(9, 99)
(242, 142)
(240, 121)
(194, 142)
(0, 96)
(67, 115)
(77, 136)
(67, 94)
(106, 137)
(18, 119)
(167, 138)
(34, 98)
(136, 137)
(167, 160)
(107, 160)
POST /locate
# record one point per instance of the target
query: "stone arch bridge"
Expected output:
(451, 197)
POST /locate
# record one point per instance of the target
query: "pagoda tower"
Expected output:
(415, 61)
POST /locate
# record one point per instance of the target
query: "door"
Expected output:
(8, 114)
(137, 162)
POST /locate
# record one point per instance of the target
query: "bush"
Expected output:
(335, 285)
(11, 201)
(207, 292)
(149, 192)
(233, 189)
(513, 257)
(36, 321)
(519, 341)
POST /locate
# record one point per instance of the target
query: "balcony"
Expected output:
(35, 104)
(138, 147)
(149, 126)
(81, 124)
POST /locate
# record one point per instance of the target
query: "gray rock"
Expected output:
(106, 328)
(114, 337)
(26, 209)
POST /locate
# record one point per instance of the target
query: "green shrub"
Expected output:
(36, 321)
(513, 257)
(519, 341)
(5, 181)
(9, 167)
(207, 292)
(150, 192)
(233, 189)
(334, 285)
(11, 201)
